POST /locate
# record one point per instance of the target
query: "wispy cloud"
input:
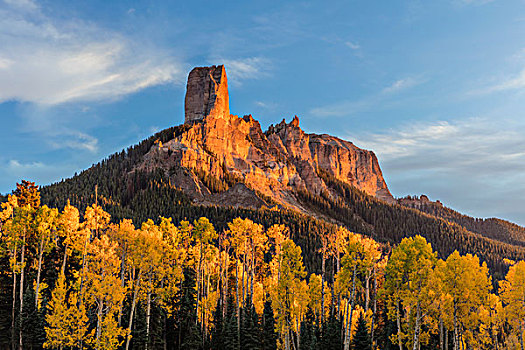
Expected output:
(516, 82)
(401, 84)
(36, 171)
(266, 105)
(453, 144)
(249, 68)
(469, 162)
(352, 45)
(510, 77)
(72, 139)
(26, 5)
(349, 107)
(50, 61)
(471, 2)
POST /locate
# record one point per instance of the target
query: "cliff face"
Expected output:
(276, 163)
(206, 94)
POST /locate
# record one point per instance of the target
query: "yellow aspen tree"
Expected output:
(95, 220)
(408, 274)
(175, 256)
(69, 230)
(337, 243)
(468, 284)
(57, 329)
(9, 238)
(23, 224)
(153, 269)
(346, 278)
(203, 233)
(512, 291)
(143, 257)
(292, 273)
(315, 293)
(123, 233)
(46, 226)
(105, 292)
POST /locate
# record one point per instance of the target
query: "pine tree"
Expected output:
(331, 334)
(361, 339)
(231, 341)
(33, 321)
(250, 332)
(217, 335)
(269, 336)
(308, 335)
(189, 336)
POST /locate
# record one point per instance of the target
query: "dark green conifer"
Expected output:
(217, 336)
(331, 334)
(189, 334)
(361, 339)
(269, 336)
(231, 341)
(308, 336)
(250, 331)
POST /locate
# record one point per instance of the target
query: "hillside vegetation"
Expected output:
(74, 279)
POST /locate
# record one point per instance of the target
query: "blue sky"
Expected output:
(435, 88)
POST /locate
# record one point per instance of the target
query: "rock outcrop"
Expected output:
(206, 94)
(219, 146)
(418, 202)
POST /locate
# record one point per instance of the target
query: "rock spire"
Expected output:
(206, 94)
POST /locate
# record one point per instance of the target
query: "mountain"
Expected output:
(222, 166)
(494, 228)
(218, 146)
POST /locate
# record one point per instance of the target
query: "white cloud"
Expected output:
(472, 2)
(266, 105)
(515, 83)
(246, 68)
(353, 46)
(452, 144)
(15, 165)
(26, 5)
(71, 139)
(475, 165)
(49, 61)
(401, 84)
(349, 107)
(34, 171)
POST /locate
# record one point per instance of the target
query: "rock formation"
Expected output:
(206, 94)
(275, 163)
(418, 202)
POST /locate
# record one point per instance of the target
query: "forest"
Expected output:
(128, 193)
(75, 279)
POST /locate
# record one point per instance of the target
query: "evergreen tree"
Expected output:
(361, 339)
(189, 335)
(331, 334)
(308, 336)
(33, 321)
(250, 331)
(269, 336)
(217, 336)
(231, 342)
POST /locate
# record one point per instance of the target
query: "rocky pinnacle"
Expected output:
(206, 94)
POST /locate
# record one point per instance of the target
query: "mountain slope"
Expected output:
(221, 166)
(494, 228)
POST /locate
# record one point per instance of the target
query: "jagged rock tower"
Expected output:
(206, 94)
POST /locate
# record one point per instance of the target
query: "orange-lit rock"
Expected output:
(206, 93)
(275, 163)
